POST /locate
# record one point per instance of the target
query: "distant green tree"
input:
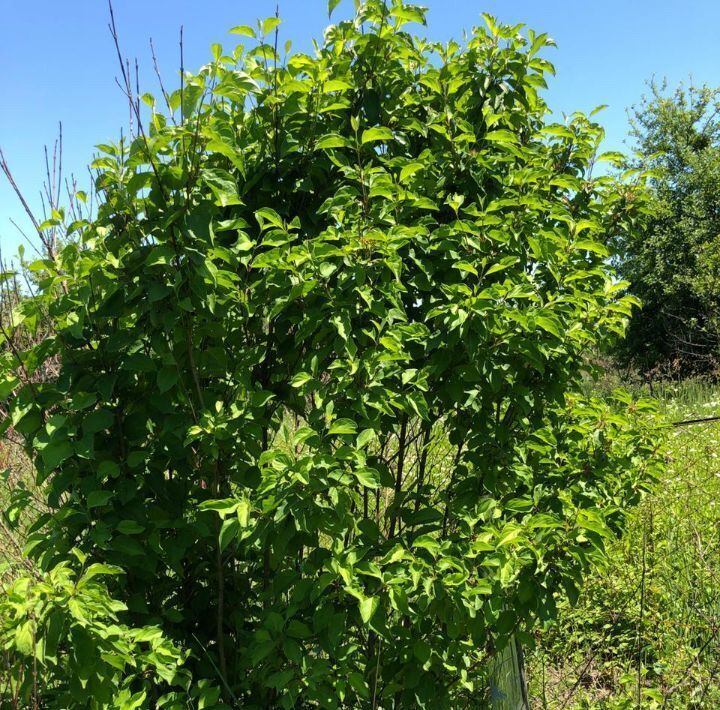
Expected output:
(674, 266)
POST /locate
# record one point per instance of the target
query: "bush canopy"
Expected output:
(318, 437)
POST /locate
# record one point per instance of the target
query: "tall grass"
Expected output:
(646, 630)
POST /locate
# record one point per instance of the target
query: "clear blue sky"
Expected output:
(57, 61)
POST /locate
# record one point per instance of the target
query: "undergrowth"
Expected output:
(646, 630)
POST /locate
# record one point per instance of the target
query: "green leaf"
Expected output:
(368, 477)
(97, 420)
(332, 140)
(408, 14)
(269, 24)
(228, 532)
(224, 507)
(332, 4)
(491, 23)
(243, 513)
(409, 170)
(503, 264)
(591, 520)
(108, 469)
(592, 246)
(549, 324)
(223, 185)
(368, 607)
(336, 85)
(130, 527)
(268, 216)
(379, 133)
(136, 458)
(97, 499)
(298, 630)
(465, 266)
(327, 269)
(24, 635)
(365, 437)
(302, 378)
(502, 136)
(83, 400)
(54, 454)
(244, 30)
(427, 542)
(359, 684)
(7, 384)
(98, 568)
(510, 534)
(343, 426)
(167, 378)
(422, 650)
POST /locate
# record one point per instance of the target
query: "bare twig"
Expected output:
(703, 420)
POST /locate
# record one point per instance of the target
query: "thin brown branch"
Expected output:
(165, 94)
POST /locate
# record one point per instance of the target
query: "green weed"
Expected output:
(646, 629)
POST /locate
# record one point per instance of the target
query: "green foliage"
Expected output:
(674, 266)
(62, 632)
(321, 352)
(646, 624)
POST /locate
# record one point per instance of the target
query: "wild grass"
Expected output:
(646, 630)
(20, 503)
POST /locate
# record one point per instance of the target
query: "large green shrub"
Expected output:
(321, 353)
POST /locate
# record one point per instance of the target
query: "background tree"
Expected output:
(674, 264)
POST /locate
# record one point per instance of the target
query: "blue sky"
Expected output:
(57, 61)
